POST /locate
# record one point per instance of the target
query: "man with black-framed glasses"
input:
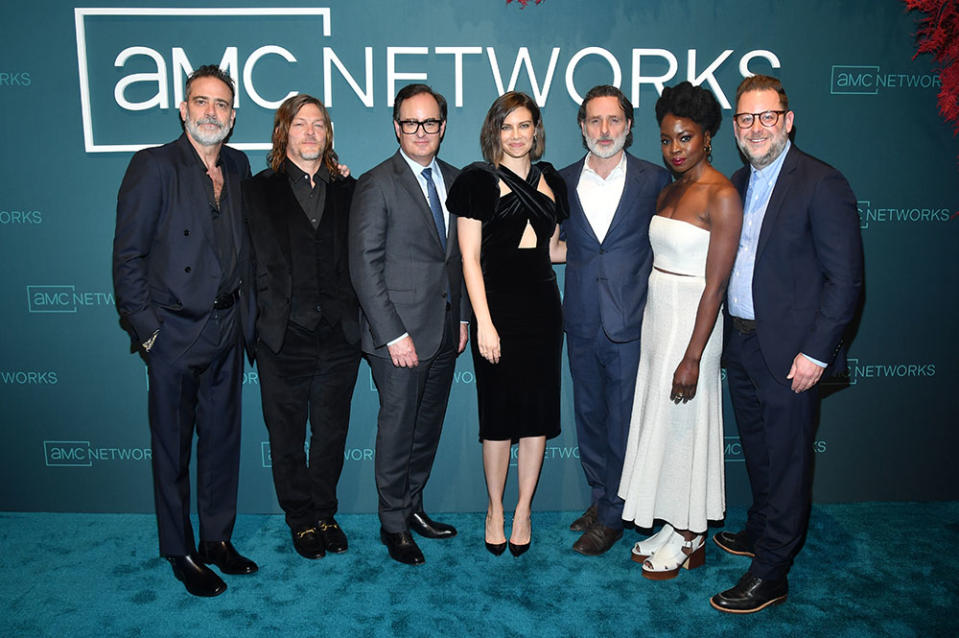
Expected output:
(406, 268)
(793, 292)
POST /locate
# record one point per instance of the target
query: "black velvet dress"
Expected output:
(520, 395)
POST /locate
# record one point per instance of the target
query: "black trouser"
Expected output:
(198, 391)
(312, 377)
(776, 427)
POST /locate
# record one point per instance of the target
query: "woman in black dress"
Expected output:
(509, 210)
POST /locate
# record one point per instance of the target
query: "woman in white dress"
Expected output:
(674, 455)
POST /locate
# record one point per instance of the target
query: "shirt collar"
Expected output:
(417, 168)
(620, 167)
(196, 156)
(296, 173)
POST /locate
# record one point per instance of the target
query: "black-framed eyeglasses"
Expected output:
(766, 118)
(430, 127)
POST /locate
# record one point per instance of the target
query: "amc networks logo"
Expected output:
(63, 299)
(82, 454)
(354, 455)
(126, 77)
(869, 214)
(870, 79)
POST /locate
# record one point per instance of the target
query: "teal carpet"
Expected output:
(868, 569)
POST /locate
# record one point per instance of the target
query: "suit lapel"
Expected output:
(776, 199)
(411, 185)
(451, 237)
(283, 209)
(630, 187)
(195, 175)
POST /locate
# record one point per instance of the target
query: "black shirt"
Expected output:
(312, 198)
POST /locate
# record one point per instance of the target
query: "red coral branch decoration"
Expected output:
(525, 2)
(938, 34)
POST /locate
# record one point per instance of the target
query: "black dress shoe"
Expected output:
(738, 543)
(495, 548)
(516, 549)
(308, 543)
(582, 523)
(198, 578)
(426, 527)
(402, 547)
(224, 555)
(597, 539)
(333, 537)
(751, 594)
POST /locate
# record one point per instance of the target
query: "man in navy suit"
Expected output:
(794, 290)
(612, 197)
(181, 271)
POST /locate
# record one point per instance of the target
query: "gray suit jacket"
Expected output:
(399, 270)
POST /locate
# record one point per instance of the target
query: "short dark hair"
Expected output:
(608, 90)
(763, 83)
(281, 133)
(490, 143)
(211, 71)
(409, 91)
(692, 102)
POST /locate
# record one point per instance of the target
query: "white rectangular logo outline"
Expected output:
(31, 287)
(832, 79)
(46, 453)
(80, 14)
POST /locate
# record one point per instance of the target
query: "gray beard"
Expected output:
(202, 137)
(775, 148)
(595, 149)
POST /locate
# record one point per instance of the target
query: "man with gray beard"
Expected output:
(612, 197)
(181, 271)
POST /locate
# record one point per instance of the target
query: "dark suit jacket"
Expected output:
(271, 208)
(165, 267)
(399, 270)
(606, 282)
(809, 265)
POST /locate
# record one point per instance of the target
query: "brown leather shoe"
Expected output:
(597, 539)
(582, 523)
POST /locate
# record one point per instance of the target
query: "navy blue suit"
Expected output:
(605, 293)
(806, 288)
(166, 276)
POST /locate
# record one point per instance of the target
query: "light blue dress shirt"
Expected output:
(760, 189)
(761, 185)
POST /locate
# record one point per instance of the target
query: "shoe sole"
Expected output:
(729, 550)
(768, 603)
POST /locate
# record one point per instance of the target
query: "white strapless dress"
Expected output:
(673, 469)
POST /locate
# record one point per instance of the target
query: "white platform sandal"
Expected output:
(665, 562)
(645, 548)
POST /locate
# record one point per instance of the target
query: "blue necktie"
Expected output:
(435, 206)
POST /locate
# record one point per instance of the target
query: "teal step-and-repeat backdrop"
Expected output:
(82, 88)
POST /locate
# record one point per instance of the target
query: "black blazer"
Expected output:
(270, 207)
(809, 265)
(165, 268)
